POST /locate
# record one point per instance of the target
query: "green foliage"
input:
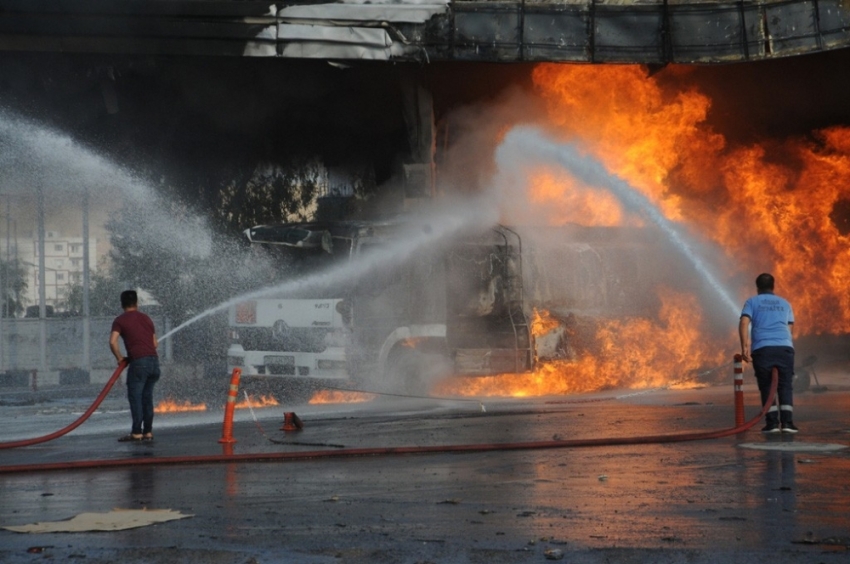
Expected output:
(104, 293)
(234, 196)
(105, 290)
(13, 276)
(71, 298)
(267, 194)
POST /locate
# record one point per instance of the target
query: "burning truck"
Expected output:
(460, 303)
(459, 308)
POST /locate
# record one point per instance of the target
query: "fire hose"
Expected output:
(79, 421)
(363, 452)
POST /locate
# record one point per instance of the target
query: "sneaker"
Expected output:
(789, 428)
(771, 428)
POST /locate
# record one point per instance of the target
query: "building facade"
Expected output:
(63, 266)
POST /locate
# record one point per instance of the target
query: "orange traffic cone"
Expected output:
(291, 422)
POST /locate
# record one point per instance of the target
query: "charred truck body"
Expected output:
(450, 309)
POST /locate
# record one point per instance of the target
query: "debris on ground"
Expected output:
(115, 520)
(554, 554)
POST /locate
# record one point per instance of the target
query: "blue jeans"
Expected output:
(764, 359)
(142, 374)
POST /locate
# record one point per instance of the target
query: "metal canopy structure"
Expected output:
(592, 31)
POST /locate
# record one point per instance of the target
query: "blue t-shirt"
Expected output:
(770, 317)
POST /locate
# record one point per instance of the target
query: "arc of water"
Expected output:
(442, 226)
(533, 145)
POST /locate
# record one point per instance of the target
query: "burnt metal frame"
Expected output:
(470, 30)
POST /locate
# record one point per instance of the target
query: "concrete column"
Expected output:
(42, 284)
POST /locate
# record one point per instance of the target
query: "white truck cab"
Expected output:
(289, 337)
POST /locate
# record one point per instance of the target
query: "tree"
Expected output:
(258, 193)
(104, 291)
(184, 282)
(13, 277)
(71, 299)
(189, 265)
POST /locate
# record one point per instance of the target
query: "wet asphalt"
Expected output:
(745, 498)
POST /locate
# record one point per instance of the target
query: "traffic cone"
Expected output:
(291, 422)
(227, 427)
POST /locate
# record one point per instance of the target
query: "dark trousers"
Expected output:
(764, 360)
(142, 374)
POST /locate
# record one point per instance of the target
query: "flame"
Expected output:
(336, 396)
(781, 206)
(563, 200)
(542, 322)
(262, 401)
(622, 353)
(172, 406)
(787, 207)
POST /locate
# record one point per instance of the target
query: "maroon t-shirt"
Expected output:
(137, 330)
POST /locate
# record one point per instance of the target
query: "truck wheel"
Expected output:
(402, 374)
(414, 371)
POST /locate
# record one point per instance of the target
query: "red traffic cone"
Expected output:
(291, 422)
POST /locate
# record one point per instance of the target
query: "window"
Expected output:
(58, 248)
(76, 248)
(76, 277)
(76, 262)
(60, 276)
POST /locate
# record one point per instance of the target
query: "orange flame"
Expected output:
(782, 207)
(542, 322)
(627, 353)
(262, 401)
(173, 406)
(336, 396)
(563, 200)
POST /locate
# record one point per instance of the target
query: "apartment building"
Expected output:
(63, 262)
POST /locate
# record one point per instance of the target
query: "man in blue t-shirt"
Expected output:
(768, 345)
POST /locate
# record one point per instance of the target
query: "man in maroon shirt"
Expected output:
(137, 331)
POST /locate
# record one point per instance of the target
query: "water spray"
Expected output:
(437, 227)
(533, 145)
(32, 153)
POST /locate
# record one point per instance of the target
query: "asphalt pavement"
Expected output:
(746, 498)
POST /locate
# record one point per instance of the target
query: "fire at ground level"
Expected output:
(750, 498)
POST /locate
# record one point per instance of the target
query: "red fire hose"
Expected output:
(383, 451)
(78, 422)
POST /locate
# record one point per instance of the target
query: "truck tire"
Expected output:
(414, 371)
(402, 374)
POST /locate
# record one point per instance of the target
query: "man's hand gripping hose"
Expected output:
(27, 442)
